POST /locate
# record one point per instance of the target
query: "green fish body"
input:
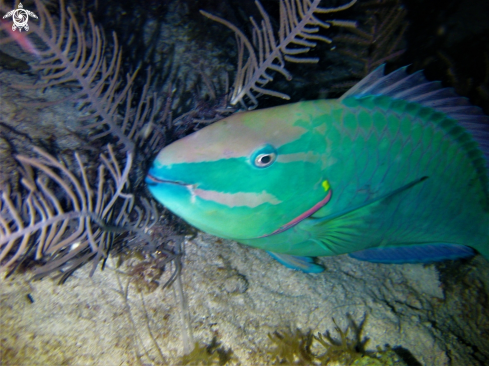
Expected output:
(393, 171)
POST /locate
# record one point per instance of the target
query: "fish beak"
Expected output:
(151, 180)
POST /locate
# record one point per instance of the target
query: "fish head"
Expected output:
(243, 177)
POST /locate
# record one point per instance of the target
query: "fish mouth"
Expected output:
(302, 216)
(152, 181)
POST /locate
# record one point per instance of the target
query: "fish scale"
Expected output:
(419, 200)
(393, 171)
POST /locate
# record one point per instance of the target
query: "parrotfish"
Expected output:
(394, 171)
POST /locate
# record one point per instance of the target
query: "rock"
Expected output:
(237, 296)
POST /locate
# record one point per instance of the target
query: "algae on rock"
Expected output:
(307, 349)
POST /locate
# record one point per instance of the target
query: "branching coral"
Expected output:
(268, 51)
(78, 57)
(63, 212)
(63, 216)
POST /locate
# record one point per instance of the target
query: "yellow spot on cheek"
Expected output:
(326, 186)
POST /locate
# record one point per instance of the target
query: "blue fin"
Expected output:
(415, 88)
(304, 264)
(417, 253)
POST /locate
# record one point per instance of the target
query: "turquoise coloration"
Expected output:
(388, 165)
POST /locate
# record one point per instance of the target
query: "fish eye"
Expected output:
(264, 157)
(264, 160)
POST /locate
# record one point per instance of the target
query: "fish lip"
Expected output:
(152, 180)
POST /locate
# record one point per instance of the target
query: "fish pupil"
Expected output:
(264, 160)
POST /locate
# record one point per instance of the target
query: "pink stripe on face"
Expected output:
(239, 199)
(305, 215)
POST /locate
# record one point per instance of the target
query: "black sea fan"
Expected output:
(63, 220)
(77, 56)
(268, 50)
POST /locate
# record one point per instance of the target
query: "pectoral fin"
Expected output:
(343, 232)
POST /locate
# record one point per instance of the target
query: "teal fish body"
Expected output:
(393, 171)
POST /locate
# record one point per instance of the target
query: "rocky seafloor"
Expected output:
(238, 296)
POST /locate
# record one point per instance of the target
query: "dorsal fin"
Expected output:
(415, 88)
